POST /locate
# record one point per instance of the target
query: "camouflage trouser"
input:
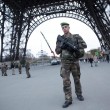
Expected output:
(5, 73)
(27, 72)
(19, 70)
(66, 69)
(13, 71)
(2, 73)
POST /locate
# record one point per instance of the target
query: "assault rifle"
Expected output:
(68, 42)
(72, 45)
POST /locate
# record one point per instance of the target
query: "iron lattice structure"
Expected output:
(19, 18)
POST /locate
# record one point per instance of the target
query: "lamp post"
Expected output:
(42, 53)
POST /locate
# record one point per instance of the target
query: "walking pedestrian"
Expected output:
(96, 60)
(4, 69)
(19, 68)
(13, 68)
(107, 58)
(91, 61)
(27, 67)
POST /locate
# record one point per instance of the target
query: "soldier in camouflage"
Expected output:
(70, 64)
(27, 67)
(13, 68)
(19, 68)
(4, 69)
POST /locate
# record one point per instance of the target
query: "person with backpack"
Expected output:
(70, 48)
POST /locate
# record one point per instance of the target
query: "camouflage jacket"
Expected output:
(64, 53)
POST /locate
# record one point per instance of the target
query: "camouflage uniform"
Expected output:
(27, 67)
(20, 68)
(70, 64)
(4, 69)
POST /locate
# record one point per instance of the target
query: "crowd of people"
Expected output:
(94, 60)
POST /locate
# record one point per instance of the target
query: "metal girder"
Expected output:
(19, 18)
(102, 20)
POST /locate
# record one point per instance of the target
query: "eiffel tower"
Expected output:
(19, 18)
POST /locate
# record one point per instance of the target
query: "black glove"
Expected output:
(70, 49)
(63, 46)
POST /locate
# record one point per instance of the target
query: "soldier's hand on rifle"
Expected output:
(63, 46)
(70, 49)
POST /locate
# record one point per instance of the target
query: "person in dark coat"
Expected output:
(107, 58)
(91, 61)
(13, 68)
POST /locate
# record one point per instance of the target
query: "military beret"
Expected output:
(64, 23)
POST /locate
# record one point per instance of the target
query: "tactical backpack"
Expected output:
(80, 53)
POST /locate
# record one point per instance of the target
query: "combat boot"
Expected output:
(66, 104)
(5, 74)
(29, 76)
(80, 97)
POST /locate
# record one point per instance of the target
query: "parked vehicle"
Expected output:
(55, 62)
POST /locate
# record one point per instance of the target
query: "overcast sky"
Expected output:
(51, 29)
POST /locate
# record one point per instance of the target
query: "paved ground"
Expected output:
(43, 91)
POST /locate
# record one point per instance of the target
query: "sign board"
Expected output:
(97, 53)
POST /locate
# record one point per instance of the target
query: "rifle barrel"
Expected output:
(48, 44)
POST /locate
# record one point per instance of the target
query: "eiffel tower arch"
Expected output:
(19, 18)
